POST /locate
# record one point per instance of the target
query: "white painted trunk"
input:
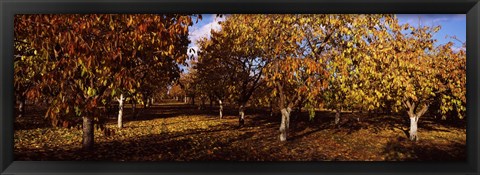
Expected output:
(134, 107)
(120, 111)
(185, 100)
(21, 108)
(284, 125)
(241, 114)
(337, 116)
(413, 128)
(221, 108)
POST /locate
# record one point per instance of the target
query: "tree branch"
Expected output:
(422, 111)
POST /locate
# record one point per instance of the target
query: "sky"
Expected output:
(203, 28)
(451, 25)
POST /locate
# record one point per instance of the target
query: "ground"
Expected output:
(180, 132)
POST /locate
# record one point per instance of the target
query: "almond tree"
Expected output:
(311, 54)
(187, 82)
(344, 60)
(154, 61)
(176, 92)
(450, 66)
(401, 67)
(214, 76)
(25, 72)
(237, 53)
(85, 56)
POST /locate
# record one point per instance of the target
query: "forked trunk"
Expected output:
(284, 125)
(87, 138)
(221, 108)
(120, 111)
(414, 117)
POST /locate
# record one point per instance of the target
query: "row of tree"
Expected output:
(78, 64)
(340, 62)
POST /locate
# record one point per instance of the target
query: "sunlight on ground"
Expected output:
(206, 137)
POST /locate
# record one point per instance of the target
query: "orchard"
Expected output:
(262, 87)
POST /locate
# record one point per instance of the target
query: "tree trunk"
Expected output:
(337, 116)
(21, 107)
(285, 123)
(221, 108)
(413, 128)
(108, 108)
(241, 115)
(120, 111)
(185, 99)
(145, 103)
(134, 107)
(87, 139)
(271, 108)
(414, 117)
(151, 102)
(203, 103)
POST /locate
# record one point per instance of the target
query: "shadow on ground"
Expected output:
(401, 149)
(309, 138)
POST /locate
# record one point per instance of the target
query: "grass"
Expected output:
(177, 132)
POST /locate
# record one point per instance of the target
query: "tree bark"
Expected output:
(241, 115)
(414, 117)
(21, 107)
(337, 116)
(284, 125)
(87, 139)
(413, 128)
(120, 111)
(203, 103)
(221, 108)
(211, 102)
(134, 107)
(271, 108)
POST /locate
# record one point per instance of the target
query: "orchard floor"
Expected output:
(179, 132)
